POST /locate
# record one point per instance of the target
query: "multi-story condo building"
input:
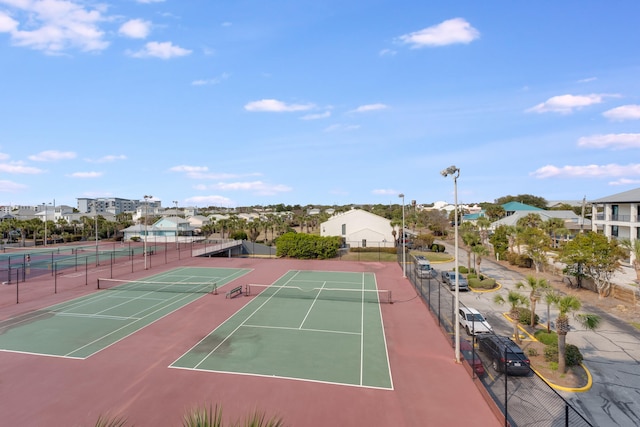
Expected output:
(617, 216)
(114, 205)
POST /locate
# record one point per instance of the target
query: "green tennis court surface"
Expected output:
(308, 325)
(86, 325)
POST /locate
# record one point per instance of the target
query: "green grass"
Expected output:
(635, 325)
(434, 256)
(370, 256)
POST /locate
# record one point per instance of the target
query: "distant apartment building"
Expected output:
(114, 205)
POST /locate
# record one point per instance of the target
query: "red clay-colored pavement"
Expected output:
(132, 378)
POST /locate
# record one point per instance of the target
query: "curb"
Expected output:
(582, 389)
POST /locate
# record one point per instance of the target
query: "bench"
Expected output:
(234, 292)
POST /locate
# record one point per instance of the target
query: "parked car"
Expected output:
(472, 358)
(497, 348)
(449, 279)
(473, 322)
(424, 269)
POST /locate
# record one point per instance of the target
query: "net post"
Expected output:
(247, 290)
(389, 296)
(98, 283)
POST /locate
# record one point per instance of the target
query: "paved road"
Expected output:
(612, 353)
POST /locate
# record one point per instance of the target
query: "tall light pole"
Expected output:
(44, 206)
(404, 249)
(176, 203)
(146, 219)
(455, 172)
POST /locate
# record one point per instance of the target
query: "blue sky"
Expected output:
(254, 102)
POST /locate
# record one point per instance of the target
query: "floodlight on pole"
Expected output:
(146, 219)
(455, 172)
(404, 249)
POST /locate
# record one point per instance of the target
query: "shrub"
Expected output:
(239, 235)
(464, 270)
(476, 283)
(523, 261)
(551, 353)
(525, 317)
(436, 247)
(547, 338)
(572, 355)
(532, 352)
(307, 246)
(136, 238)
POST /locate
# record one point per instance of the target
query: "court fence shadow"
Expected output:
(525, 400)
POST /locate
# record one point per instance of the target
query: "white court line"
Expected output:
(96, 316)
(127, 325)
(327, 331)
(311, 307)
(238, 327)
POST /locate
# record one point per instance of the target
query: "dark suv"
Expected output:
(498, 347)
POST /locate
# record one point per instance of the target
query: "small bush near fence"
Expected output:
(307, 246)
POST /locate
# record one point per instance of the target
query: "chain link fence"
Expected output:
(523, 400)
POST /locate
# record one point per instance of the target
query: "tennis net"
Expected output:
(158, 286)
(335, 294)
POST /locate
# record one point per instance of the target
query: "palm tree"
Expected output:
(517, 301)
(483, 224)
(535, 287)
(633, 246)
(551, 297)
(565, 305)
(470, 239)
(479, 251)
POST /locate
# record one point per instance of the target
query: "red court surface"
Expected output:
(132, 377)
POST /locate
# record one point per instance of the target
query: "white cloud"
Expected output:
(189, 169)
(7, 23)
(387, 52)
(257, 187)
(625, 112)
(52, 156)
(210, 201)
(341, 128)
(135, 29)
(164, 50)
(275, 106)
(108, 158)
(369, 107)
(4, 156)
(55, 25)
(19, 167)
(613, 140)
(149, 1)
(11, 187)
(587, 171)
(324, 115)
(452, 31)
(202, 172)
(587, 80)
(625, 181)
(212, 81)
(566, 104)
(86, 174)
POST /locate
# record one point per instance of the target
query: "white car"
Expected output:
(473, 322)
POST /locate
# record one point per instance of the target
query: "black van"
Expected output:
(497, 347)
